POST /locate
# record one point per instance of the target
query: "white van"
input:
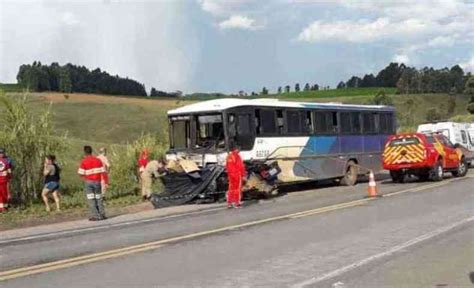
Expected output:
(461, 134)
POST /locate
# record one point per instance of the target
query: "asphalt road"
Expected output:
(420, 234)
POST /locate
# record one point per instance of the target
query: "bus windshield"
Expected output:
(180, 132)
(209, 131)
(197, 132)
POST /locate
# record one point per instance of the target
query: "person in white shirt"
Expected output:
(105, 161)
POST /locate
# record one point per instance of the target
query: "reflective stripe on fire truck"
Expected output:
(404, 154)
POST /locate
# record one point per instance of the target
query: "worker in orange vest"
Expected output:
(93, 172)
(5, 176)
(236, 175)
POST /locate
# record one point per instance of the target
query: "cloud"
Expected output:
(442, 41)
(69, 18)
(230, 13)
(401, 58)
(468, 66)
(413, 25)
(146, 41)
(239, 22)
(225, 8)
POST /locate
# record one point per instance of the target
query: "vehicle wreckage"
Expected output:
(280, 142)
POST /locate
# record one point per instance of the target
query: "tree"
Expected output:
(353, 82)
(382, 99)
(470, 107)
(469, 88)
(72, 78)
(297, 87)
(279, 90)
(264, 91)
(341, 85)
(451, 105)
(306, 87)
(368, 81)
(287, 89)
(315, 87)
(405, 83)
(388, 77)
(65, 84)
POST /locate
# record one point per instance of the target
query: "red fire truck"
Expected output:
(425, 156)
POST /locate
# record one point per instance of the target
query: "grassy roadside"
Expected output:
(36, 214)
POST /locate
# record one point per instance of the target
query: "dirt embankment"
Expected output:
(108, 99)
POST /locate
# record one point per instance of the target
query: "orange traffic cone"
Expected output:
(372, 189)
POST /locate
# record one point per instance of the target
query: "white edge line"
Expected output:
(106, 226)
(393, 250)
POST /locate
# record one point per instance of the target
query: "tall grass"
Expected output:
(28, 138)
(123, 174)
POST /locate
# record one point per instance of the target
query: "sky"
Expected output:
(232, 45)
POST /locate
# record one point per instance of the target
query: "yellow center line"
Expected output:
(74, 261)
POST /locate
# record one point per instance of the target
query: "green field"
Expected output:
(334, 93)
(11, 87)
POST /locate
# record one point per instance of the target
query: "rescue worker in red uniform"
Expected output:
(235, 174)
(93, 172)
(5, 176)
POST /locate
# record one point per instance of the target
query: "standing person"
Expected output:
(153, 169)
(142, 162)
(235, 174)
(92, 171)
(5, 177)
(105, 162)
(51, 173)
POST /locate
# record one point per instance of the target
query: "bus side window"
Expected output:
(334, 127)
(244, 134)
(293, 122)
(464, 137)
(268, 122)
(355, 123)
(280, 122)
(368, 122)
(308, 122)
(258, 128)
(345, 123)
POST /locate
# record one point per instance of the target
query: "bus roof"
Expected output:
(227, 103)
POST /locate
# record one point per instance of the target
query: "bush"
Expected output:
(470, 107)
(28, 138)
(123, 174)
(381, 99)
(433, 114)
(463, 118)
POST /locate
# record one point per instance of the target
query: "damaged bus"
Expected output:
(281, 141)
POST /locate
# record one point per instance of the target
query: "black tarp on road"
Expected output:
(183, 188)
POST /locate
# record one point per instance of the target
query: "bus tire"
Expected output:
(350, 176)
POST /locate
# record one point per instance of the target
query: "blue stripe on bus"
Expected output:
(333, 167)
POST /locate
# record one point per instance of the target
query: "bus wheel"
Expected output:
(350, 177)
